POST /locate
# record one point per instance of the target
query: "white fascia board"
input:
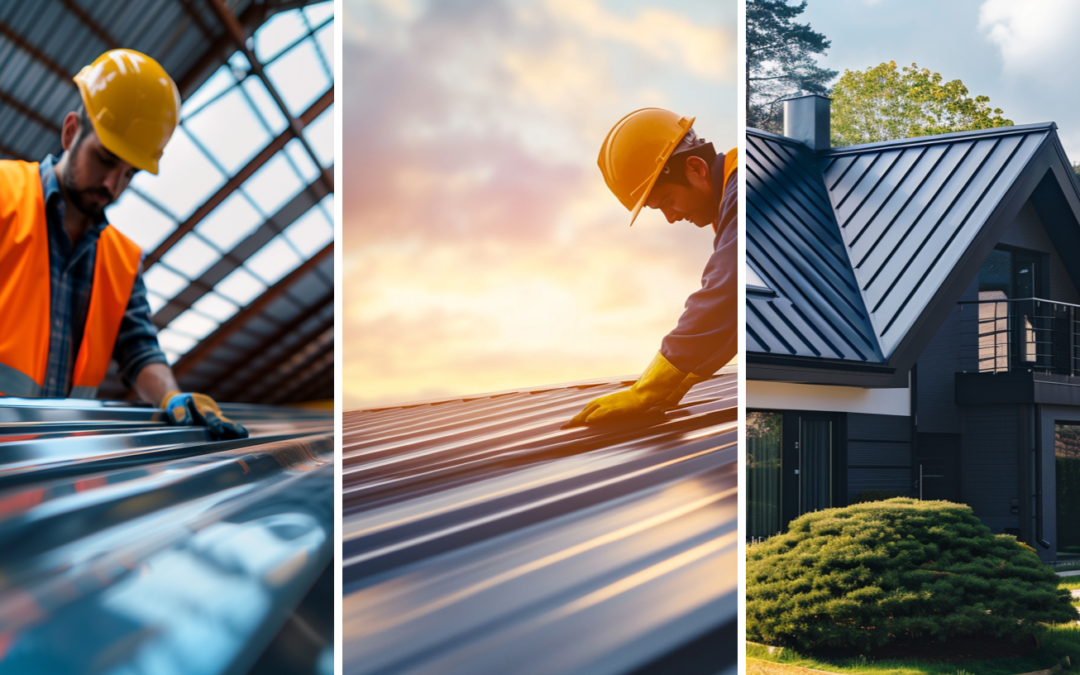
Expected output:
(764, 395)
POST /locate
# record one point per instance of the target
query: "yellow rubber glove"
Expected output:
(188, 409)
(676, 396)
(656, 385)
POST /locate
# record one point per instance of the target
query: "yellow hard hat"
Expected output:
(133, 104)
(635, 151)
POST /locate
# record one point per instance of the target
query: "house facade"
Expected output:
(913, 325)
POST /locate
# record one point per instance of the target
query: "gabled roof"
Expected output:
(870, 246)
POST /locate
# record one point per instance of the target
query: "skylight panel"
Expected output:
(164, 281)
(230, 131)
(301, 160)
(216, 307)
(240, 286)
(278, 33)
(191, 256)
(143, 223)
(318, 13)
(754, 282)
(265, 104)
(156, 301)
(273, 261)
(299, 77)
(320, 136)
(232, 220)
(273, 185)
(171, 341)
(193, 324)
(311, 232)
(186, 178)
(325, 39)
(221, 80)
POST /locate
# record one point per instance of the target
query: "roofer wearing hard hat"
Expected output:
(72, 295)
(653, 158)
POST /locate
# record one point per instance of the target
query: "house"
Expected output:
(913, 325)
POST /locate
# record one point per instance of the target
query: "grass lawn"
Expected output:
(1061, 640)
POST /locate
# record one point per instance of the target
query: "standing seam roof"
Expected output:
(857, 241)
(793, 242)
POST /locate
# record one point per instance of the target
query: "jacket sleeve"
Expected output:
(706, 337)
(136, 343)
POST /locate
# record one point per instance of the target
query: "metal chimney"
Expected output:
(806, 119)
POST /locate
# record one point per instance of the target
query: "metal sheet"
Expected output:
(480, 537)
(909, 211)
(128, 546)
(794, 243)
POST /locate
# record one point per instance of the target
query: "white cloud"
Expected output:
(1035, 37)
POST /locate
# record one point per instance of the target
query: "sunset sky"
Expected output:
(482, 250)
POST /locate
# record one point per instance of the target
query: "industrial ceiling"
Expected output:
(237, 229)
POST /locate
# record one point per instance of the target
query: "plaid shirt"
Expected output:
(71, 274)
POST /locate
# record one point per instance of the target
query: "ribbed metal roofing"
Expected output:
(909, 210)
(857, 242)
(793, 242)
(480, 537)
(128, 545)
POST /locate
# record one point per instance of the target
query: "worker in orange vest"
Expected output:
(652, 157)
(71, 290)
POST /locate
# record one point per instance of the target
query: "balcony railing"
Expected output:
(1023, 334)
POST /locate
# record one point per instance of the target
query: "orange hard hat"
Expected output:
(635, 151)
(133, 104)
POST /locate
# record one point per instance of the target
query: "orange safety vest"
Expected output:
(24, 290)
(731, 163)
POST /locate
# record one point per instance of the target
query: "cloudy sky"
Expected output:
(1020, 54)
(482, 250)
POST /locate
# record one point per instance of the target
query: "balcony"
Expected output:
(1024, 350)
(1025, 334)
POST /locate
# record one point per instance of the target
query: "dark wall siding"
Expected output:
(991, 463)
(1027, 231)
(879, 453)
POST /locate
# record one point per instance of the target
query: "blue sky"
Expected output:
(1020, 54)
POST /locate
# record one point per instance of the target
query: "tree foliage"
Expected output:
(884, 104)
(863, 576)
(780, 60)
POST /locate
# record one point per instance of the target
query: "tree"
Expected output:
(780, 60)
(883, 104)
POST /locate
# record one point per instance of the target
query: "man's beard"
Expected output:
(79, 199)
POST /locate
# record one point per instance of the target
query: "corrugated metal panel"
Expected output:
(909, 210)
(479, 537)
(127, 545)
(793, 242)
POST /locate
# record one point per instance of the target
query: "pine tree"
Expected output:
(780, 60)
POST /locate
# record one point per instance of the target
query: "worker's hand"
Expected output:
(188, 409)
(674, 398)
(656, 386)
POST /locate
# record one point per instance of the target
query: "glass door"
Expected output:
(815, 464)
(764, 473)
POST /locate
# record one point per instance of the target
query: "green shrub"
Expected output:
(863, 576)
(876, 496)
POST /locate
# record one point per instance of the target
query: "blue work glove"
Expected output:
(189, 409)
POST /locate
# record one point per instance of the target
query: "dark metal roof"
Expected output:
(126, 542)
(886, 232)
(480, 537)
(909, 210)
(43, 44)
(793, 242)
